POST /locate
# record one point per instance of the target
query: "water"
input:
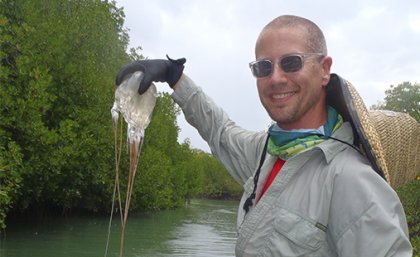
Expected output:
(204, 228)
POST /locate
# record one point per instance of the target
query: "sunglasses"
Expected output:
(288, 63)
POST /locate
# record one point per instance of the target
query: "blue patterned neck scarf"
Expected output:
(285, 143)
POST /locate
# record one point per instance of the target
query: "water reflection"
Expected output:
(211, 235)
(204, 228)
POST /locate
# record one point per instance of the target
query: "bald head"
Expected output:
(314, 38)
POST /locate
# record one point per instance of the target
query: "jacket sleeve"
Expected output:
(366, 215)
(236, 148)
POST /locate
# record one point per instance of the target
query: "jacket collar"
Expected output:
(331, 148)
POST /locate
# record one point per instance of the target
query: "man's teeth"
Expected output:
(280, 96)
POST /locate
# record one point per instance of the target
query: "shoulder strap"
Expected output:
(250, 200)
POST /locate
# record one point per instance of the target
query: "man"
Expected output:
(308, 191)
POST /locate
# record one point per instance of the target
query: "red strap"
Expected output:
(273, 173)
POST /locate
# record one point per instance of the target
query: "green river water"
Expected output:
(203, 228)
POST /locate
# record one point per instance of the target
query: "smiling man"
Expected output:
(308, 189)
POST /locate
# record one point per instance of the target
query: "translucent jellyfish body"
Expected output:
(136, 109)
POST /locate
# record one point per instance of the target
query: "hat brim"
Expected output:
(344, 98)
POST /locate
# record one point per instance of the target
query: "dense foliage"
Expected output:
(410, 198)
(57, 64)
(403, 98)
(58, 61)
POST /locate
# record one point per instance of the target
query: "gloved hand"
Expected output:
(157, 70)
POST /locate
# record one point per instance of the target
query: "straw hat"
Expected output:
(390, 140)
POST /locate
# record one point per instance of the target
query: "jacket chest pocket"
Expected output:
(294, 235)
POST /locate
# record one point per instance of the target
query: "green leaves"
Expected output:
(10, 177)
(403, 98)
(410, 198)
(58, 62)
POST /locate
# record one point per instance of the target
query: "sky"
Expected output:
(373, 43)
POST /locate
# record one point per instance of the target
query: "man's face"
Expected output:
(297, 99)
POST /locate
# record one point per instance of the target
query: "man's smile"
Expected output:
(282, 97)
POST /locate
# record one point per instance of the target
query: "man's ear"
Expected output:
(326, 67)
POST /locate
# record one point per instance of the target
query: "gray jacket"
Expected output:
(326, 201)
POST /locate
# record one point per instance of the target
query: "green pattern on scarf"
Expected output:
(285, 144)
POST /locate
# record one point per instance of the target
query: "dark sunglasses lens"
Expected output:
(262, 68)
(291, 63)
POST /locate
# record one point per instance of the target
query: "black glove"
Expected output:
(157, 70)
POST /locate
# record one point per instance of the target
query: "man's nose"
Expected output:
(278, 75)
